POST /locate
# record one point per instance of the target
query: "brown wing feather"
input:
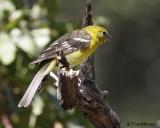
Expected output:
(69, 43)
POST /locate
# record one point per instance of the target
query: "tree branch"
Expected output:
(67, 89)
(79, 89)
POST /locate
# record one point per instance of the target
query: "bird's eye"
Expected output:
(104, 33)
(107, 35)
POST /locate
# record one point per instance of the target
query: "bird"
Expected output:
(77, 46)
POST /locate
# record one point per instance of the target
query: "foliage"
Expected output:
(25, 31)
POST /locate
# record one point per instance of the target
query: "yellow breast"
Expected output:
(79, 56)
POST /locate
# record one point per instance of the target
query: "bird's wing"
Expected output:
(68, 43)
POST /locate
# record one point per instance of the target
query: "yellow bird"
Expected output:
(76, 46)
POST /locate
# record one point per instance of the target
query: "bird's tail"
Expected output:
(34, 85)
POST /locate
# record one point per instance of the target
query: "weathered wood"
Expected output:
(67, 84)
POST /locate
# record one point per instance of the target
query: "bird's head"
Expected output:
(99, 33)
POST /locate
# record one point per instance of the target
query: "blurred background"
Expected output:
(128, 67)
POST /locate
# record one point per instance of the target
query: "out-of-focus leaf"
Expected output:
(52, 91)
(36, 11)
(38, 105)
(37, 109)
(1, 15)
(24, 41)
(7, 49)
(16, 18)
(41, 37)
(6, 5)
(101, 20)
(15, 15)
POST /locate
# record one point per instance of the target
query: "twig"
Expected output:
(5, 121)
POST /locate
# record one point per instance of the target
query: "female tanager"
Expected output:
(76, 46)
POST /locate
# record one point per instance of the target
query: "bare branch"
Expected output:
(67, 84)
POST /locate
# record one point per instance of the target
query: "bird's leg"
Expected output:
(54, 77)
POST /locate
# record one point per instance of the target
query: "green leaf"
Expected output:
(7, 49)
